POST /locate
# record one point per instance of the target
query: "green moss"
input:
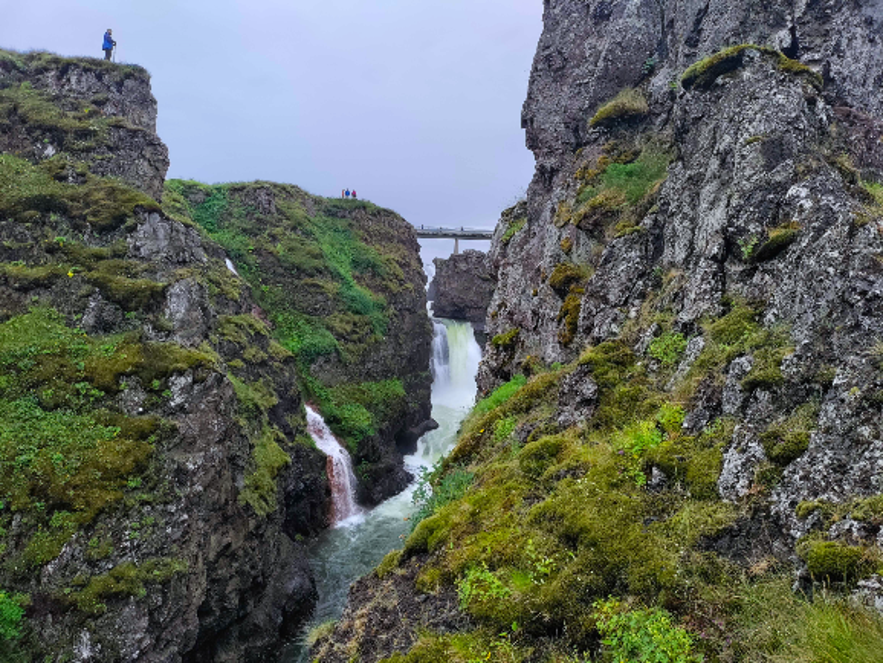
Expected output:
(267, 460)
(806, 508)
(833, 561)
(357, 411)
(507, 340)
(875, 189)
(326, 253)
(512, 229)
(629, 104)
(566, 245)
(668, 348)
(12, 614)
(569, 315)
(389, 564)
(126, 579)
(787, 439)
(241, 329)
(704, 73)
(766, 371)
(778, 239)
(565, 275)
(129, 294)
(103, 203)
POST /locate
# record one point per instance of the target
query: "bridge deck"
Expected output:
(453, 233)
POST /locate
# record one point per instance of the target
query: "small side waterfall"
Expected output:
(339, 468)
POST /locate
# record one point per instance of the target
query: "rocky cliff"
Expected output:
(343, 285)
(684, 377)
(463, 286)
(156, 478)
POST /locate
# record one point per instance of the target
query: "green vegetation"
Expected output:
(513, 228)
(37, 62)
(62, 458)
(642, 635)
(602, 532)
(787, 439)
(27, 190)
(619, 191)
(629, 104)
(11, 615)
(738, 333)
(506, 340)
(569, 315)
(428, 500)
(126, 579)
(566, 275)
(704, 73)
(829, 561)
(776, 241)
(75, 131)
(668, 348)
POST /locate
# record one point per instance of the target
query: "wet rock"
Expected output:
(462, 287)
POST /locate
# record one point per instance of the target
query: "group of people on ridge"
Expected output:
(346, 193)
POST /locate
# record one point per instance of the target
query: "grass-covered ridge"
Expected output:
(31, 63)
(323, 280)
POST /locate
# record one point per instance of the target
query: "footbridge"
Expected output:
(455, 234)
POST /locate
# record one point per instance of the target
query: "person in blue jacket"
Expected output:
(109, 44)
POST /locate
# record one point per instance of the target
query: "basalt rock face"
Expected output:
(703, 236)
(156, 476)
(766, 200)
(101, 114)
(463, 286)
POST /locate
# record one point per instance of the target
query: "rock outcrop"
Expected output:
(462, 287)
(157, 482)
(98, 113)
(685, 360)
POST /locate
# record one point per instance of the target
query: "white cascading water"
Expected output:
(339, 469)
(343, 554)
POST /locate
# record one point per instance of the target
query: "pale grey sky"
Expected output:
(415, 103)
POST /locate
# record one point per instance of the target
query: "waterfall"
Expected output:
(341, 555)
(440, 362)
(339, 468)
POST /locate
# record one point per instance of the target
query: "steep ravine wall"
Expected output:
(684, 376)
(157, 482)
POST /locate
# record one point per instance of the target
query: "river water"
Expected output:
(344, 553)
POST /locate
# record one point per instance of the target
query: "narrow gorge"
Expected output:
(232, 432)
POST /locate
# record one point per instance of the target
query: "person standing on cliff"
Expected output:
(347, 194)
(354, 194)
(109, 44)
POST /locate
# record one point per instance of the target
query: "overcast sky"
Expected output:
(414, 103)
